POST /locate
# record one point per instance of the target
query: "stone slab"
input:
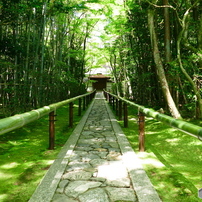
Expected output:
(76, 188)
(77, 175)
(62, 198)
(94, 195)
(121, 194)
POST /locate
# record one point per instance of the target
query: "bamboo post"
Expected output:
(79, 109)
(117, 107)
(113, 103)
(84, 103)
(71, 105)
(120, 110)
(91, 97)
(107, 97)
(88, 100)
(110, 99)
(51, 130)
(141, 121)
(125, 108)
(105, 94)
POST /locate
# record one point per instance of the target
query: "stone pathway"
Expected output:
(95, 169)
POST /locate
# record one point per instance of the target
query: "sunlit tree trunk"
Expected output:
(167, 47)
(159, 66)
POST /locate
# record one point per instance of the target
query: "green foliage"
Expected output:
(47, 45)
(41, 52)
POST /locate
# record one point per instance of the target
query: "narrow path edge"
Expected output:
(46, 189)
(141, 182)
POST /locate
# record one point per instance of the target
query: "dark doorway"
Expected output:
(100, 81)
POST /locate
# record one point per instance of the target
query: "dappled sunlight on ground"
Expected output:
(172, 159)
(3, 197)
(113, 171)
(25, 158)
(149, 159)
(4, 176)
(9, 165)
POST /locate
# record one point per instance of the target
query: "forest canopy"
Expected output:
(153, 47)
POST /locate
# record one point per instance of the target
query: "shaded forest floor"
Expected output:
(24, 157)
(172, 159)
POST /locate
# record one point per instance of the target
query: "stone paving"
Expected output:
(95, 169)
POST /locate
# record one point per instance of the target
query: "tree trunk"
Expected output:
(189, 79)
(159, 67)
(113, 67)
(200, 42)
(167, 32)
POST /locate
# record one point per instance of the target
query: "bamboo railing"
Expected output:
(181, 125)
(17, 121)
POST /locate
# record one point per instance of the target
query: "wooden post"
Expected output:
(125, 110)
(117, 107)
(120, 110)
(108, 98)
(141, 121)
(84, 103)
(87, 100)
(91, 97)
(113, 103)
(71, 105)
(79, 109)
(51, 130)
(105, 94)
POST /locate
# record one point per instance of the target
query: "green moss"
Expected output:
(172, 159)
(25, 157)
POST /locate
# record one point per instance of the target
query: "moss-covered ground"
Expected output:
(25, 158)
(172, 159)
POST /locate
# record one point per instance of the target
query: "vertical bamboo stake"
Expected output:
(107, 97)
(113, 103)
(110, 100)
(117, 107)
(141, 120)
(71, 105)
(51, 130)
(79, 109)
(125, 107)
(120, 110)
(84, 103)
(87, 100)
(105, 94)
